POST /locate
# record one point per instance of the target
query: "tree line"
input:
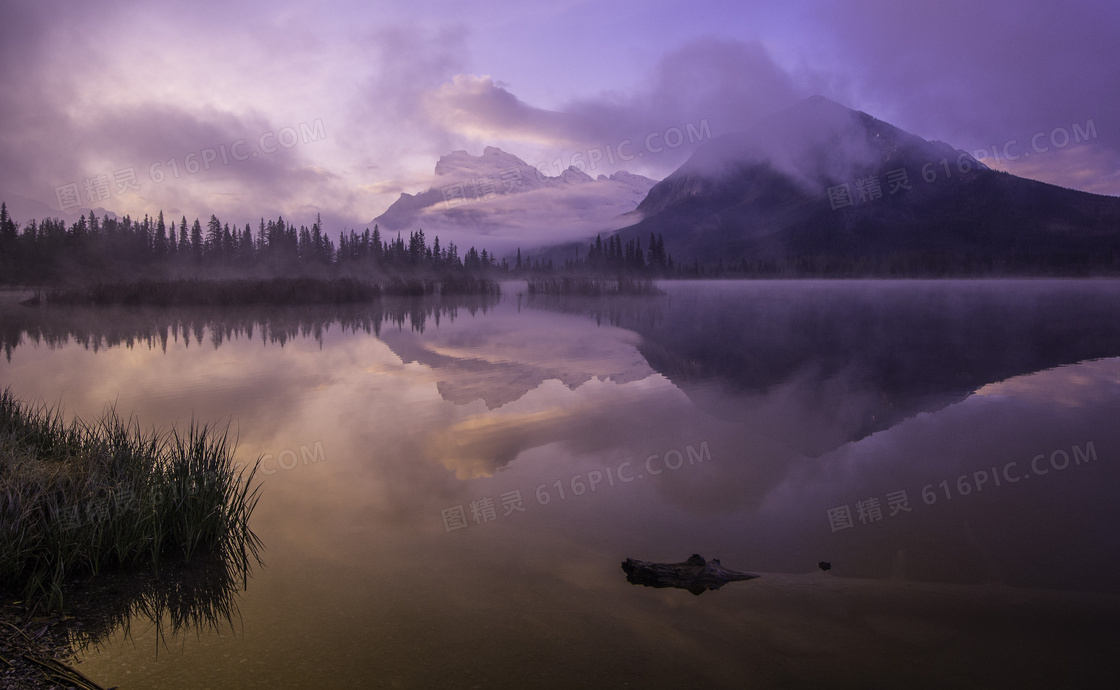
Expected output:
(612, 258)
(47, 250)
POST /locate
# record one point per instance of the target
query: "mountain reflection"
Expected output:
(859, 355)
(811, 395)
(847, 358)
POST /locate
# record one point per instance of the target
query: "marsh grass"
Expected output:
(592, 287)
(79, 498)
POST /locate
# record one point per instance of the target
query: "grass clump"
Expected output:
(77, 498)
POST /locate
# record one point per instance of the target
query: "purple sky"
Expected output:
(356, 101)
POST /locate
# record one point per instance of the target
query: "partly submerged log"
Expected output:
(696, 575)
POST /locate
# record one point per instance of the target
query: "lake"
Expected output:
(450, 485)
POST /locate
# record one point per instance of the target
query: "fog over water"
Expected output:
(735, 420)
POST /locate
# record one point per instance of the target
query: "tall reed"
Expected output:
(77, 498)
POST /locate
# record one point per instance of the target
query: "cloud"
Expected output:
(81, 102)
(972, 74)
(978, 73)
(89, 88)
(481, 110)
(205, 161)
(407, 63)
(730, 83)
(75, 109)
(718, 84)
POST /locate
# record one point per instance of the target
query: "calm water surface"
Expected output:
(450, 486)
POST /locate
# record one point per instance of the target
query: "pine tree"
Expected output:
(377, 250)
(159, 246)
(184, 242)
(247, 245)
(318, 250)
(213, 237)
(196, 241)
(143, 240)
(229, 247)
(304, 247)
(8, 232)
(10, 250)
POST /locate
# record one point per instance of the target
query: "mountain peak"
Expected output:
(461, 163)
(818, 101)
(819, 177)
(499, 178)
(574, 175)
(814, 143)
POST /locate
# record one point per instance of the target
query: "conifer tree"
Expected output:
(196, 241)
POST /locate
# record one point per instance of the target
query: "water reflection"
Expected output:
(196, 597)
(809, 396)
(844, 393)
(100, 328)
(859, 356)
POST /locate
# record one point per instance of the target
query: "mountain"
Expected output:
(499, 194)
(821, 180)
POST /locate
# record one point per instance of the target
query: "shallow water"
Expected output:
(450, 487)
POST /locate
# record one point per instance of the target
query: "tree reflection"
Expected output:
(99, 328)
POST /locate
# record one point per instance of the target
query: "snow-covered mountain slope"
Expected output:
(499, 195)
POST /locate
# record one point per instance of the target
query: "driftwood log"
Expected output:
(696, 575)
